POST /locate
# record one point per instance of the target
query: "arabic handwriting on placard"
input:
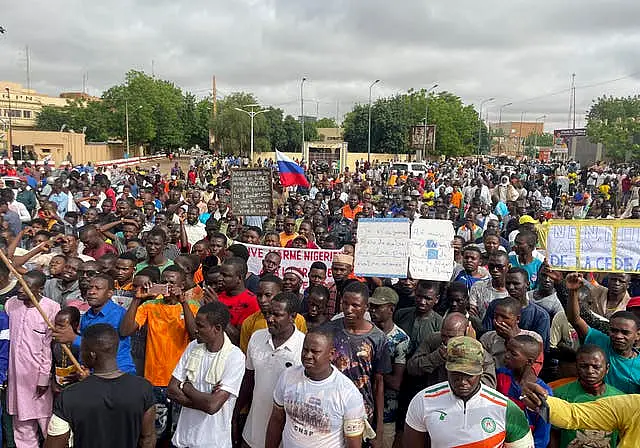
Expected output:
(382, 248)
(251, 192)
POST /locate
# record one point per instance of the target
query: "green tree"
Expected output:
(326, 123)
(457, 124)
(276, 133)
(293, 131)
(233, 127)
(50, 118)
(614, 123)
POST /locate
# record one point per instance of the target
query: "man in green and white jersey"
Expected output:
(462, 412)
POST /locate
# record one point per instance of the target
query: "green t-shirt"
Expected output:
(574, 393)
(144, 264)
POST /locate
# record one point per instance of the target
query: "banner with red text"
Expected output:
(300, 258)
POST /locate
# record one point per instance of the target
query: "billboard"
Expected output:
(568, 133)
(417, 137)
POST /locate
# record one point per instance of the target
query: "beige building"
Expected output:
(330, 134)
(25, 104)
(511, 142)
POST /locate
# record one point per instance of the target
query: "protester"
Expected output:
(420, 321)
(29, 395)
(269, 353)
(519, 360)
(382, 305)
(170, 324)
(315, 404)
(463, 411)
(361, 353)
(109, 407)
(591, 367)
(427, 364)
(618, 344)
(206, 382)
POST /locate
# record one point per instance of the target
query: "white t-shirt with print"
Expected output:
(197, 429)
(317, 412)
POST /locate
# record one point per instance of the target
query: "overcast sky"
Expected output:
(516, 51)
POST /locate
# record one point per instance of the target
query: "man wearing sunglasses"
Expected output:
(484, 292)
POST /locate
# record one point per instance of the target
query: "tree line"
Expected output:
(163, 116)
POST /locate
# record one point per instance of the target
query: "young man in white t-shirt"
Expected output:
(314, 404)
(206, 382)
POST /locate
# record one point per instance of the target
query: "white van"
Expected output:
(414, 168)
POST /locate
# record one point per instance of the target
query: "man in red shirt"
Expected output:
(94, 244)
(242, 303)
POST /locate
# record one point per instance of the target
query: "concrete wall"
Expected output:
(351, 157)
(58, 144)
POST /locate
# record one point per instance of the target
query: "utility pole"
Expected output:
(520, 137)
(214, 106)
(126, 123)
(251, 114)
(10, 139)
(26, 50)
(482, 103)
(302, 114)
(572, 102)
(426, 117)
(369, 133)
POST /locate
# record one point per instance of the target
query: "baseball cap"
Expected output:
(526, 219)
(465, 355)
(384, 295)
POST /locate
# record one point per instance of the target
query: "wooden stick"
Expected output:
(35, 302)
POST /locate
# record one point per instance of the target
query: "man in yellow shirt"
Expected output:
(268, 287)
(618, 413)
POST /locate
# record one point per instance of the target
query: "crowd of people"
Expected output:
(144, 276)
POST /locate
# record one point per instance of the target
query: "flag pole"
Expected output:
(36, 303)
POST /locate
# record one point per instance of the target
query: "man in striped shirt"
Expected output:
(462, 412)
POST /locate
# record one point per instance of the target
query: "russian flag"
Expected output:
(290, 172)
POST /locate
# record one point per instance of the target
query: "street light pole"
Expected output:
(520, 138)
(482, 103)
(369, 132)
(426, 116)
(126, 123)
(535, 139)
(500, 114)
(251, 114)
(10, 139)
(302, 113)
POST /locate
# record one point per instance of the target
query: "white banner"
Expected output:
(431, 254)
(300, 258)
(382, 248)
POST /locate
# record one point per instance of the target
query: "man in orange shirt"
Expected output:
(352, 208)
(289, 233)
(171, 326)
(456, 197)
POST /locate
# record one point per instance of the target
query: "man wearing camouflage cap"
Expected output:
(462, 411)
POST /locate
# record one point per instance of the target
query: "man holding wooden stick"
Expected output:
(29, 398)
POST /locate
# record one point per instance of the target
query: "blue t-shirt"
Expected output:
(531, 268)
(624, 373)
(111, 314)
(506, 384)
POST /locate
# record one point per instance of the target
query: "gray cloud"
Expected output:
(516, 51)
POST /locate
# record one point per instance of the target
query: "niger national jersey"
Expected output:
(487, 420)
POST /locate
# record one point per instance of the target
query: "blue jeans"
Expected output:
(167, 413)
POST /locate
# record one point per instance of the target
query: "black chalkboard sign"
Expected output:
(251, 192)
